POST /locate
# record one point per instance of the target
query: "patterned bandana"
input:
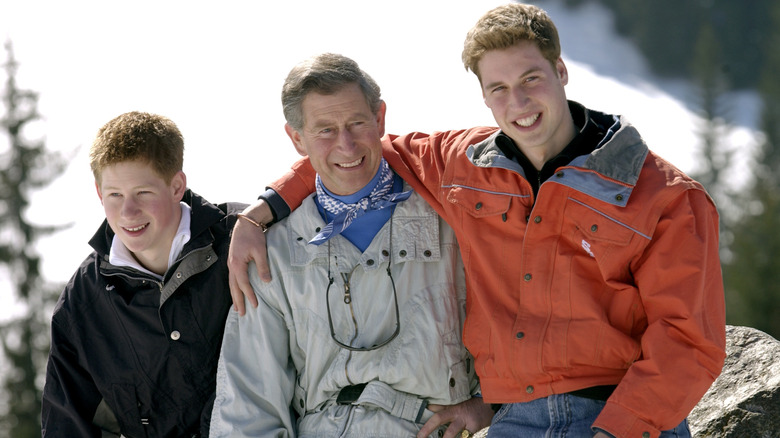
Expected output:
(379, 198)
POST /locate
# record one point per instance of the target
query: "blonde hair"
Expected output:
(506, 26)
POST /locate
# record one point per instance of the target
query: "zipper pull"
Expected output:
(347, 295)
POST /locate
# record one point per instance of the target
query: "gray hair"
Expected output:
(327, 74)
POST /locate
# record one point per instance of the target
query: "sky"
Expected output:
(216, 70)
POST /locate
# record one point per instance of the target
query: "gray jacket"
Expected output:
(283, 355)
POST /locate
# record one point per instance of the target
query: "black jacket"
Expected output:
(136, 355)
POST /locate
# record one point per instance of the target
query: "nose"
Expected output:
(519, 98)
(346, 141)
(129, 207)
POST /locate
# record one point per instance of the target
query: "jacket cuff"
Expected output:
(622, 423)
(276, 203)
(295, 186)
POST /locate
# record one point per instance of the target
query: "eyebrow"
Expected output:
(355, 116)
(110, 187)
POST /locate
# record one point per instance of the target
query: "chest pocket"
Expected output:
(477, 203)
(595, 226)
(598, 241)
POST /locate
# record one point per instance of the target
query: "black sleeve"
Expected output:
(279, 207)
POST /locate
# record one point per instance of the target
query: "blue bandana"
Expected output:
(379, 198)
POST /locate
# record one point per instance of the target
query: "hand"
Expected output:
(472, 415)
(601, 435)
(246, 244)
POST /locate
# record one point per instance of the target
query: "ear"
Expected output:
(179, 185)
(563, 73)
(99, 193)
(295, 136)
(380, 118)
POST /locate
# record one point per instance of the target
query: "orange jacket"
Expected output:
(610, 277)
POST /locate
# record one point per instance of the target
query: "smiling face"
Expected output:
(526, 95)
(142, 209)
(341, 137)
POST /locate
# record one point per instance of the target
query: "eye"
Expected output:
(497, 89)
(530, 79)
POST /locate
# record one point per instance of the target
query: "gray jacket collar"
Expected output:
(619, 157)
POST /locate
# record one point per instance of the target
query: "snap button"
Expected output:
(402, 253)
(478, 206)
(520, 335)
(559, 174)
(594, 228)
(452, 382)
(619, 197)
(529, 389)
(175, 335)
(427, 253)
(537, 219)
(527, 277)
(645, 434)
(370, 262)
(385, 252)
(178, 275)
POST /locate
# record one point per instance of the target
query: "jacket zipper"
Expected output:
(348, 300)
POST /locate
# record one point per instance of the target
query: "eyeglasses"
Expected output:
(348, 301)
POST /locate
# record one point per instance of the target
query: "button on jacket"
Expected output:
(133, 354)
(609, 276)
(283, 353)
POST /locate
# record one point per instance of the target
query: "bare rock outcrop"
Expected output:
(745, 399)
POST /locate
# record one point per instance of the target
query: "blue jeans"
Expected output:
(556, 416)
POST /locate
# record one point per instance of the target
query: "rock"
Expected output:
(745, 399)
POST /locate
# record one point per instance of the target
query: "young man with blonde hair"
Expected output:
(136, 332)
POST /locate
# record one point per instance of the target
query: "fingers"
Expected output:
(246, 244)
(456, 429)
(431, 425)
(436, 408)
(236, 295)
(472, 415)
(260, 256)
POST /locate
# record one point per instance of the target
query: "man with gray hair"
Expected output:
(359, 333)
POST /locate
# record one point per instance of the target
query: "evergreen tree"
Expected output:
(753, 276)
(25, 165)
(711, 84)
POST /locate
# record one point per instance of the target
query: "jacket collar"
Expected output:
(412, 214)
(619, 156)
